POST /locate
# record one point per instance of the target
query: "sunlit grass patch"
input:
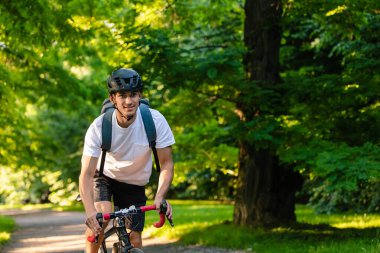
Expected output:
(4, 236)
(7, 225)
(189, 216)
(359, 221)
(347, 220)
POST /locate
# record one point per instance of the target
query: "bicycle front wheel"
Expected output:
(119, 249)
(136, 250)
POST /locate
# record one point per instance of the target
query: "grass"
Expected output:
(7, 225)
(210, 223)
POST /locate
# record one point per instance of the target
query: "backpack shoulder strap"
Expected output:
(150, 130)
(107, 130)
(106, 137)
(149, 126)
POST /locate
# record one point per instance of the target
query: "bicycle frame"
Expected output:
(120, 229)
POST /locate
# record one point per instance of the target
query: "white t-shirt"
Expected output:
(129, 159)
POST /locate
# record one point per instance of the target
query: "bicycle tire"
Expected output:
(117, 249)
(135, 250)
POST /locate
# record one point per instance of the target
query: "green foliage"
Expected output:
(206, 184)
(16, 186)
(339, 177)
(331, 75)
(206, 150)
(42, 130)
(191, 67)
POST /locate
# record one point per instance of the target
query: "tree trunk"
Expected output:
(266, 189)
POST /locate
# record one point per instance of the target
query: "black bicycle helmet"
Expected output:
(124, 80)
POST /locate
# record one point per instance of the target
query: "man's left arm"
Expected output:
(166, 176)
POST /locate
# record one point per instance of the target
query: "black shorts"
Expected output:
(123, 195)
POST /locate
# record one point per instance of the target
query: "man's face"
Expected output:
(127, 101)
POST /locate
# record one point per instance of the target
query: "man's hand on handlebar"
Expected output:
(93, 223)
(164, 207)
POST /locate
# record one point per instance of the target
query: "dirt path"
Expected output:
(62, 232)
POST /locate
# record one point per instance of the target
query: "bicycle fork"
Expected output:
(122, 234)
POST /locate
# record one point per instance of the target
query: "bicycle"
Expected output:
(121, 221)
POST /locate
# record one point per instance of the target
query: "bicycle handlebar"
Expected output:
(132, 210)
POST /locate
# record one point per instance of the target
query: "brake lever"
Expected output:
(170, 221)
(163, 209)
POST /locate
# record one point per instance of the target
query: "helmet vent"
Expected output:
(117, 80)
(134, 81)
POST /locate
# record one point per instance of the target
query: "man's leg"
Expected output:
(136, 239)
(137, 226)
(125, 195)
(101, 207)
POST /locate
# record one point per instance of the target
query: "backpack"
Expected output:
(150, 130)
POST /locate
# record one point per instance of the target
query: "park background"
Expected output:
(274, 106)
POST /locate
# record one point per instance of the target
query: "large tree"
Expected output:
(266, 188)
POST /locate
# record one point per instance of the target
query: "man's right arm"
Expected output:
(86, 190)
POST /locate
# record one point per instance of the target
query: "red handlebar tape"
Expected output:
(147, 208)
(159, 223)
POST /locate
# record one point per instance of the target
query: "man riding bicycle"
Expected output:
(128, 164)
